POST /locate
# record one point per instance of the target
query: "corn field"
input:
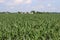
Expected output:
(29, 26)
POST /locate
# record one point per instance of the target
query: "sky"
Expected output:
(29, 5)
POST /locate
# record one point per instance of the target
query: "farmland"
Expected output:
(29, 26)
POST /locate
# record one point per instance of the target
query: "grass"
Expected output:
(29, 26)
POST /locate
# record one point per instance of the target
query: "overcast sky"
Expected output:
(28, 5)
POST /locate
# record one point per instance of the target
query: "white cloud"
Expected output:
(12, 3)
(22, 1)
(39, 7)
(18, 1)
(49, 5)
(1, 1)
(28, 1)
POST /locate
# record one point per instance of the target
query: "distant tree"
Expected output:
(19, 12)
(27, 12)
(33, 12)
(23, 12)
(2, 12)
(7, 12)
(39, 12)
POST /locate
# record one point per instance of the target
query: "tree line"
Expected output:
(32, 12)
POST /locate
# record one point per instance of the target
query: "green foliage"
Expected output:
(29, 26)
(19, 12)
(33, 12)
